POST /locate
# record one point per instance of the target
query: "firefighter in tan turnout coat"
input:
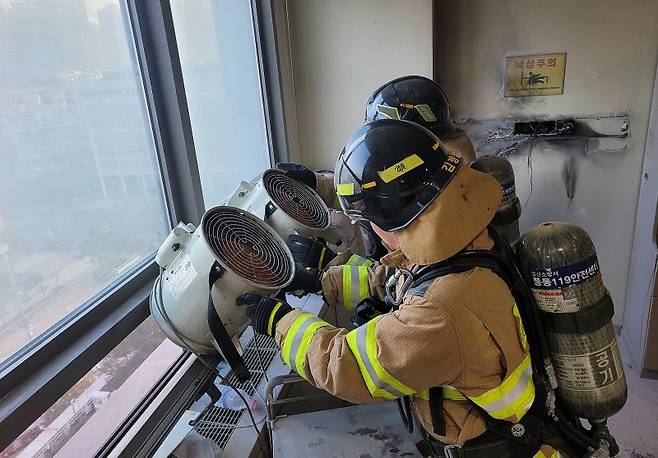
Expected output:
(460, 332)
(412, 98)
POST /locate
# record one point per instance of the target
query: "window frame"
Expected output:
(39, 374)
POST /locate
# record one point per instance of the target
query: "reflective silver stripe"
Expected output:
(514, 393)
(378, 382)
(296, 342)
(356, 286)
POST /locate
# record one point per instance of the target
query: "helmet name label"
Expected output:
(400, 168)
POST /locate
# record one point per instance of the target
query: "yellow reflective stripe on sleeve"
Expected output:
(271, 320)
(347, 287)
(324, 250)
(513, 397)
(424, 394)
(541, 454)
(522, 334)
(298, 339)
(307, 337)
(292, 331)
(363, 283)
(355, 285)
(380, 383)
(356, 260)
(453, 394)
(371, 348)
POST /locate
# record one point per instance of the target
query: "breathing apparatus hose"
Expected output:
(404, 406)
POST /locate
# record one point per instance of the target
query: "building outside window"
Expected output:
(81, 195)
(218, 56)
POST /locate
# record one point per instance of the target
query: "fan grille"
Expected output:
(297, 200)
(245, 246)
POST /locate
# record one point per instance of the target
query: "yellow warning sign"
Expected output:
(535, 75)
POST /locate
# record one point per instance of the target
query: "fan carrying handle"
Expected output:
(218, 330)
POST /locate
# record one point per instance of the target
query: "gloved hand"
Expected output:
(265, 312)
(367, 309)
(306, 281)
(299, 173)
(312, 253)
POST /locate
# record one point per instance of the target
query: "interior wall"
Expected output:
(611, 51)
(640, 331)
(342, 50)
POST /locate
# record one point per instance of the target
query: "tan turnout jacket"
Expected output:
(460, 331)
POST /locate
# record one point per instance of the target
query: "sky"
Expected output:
(92, 6)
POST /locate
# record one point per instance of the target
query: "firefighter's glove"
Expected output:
(299, 173)
(265, 312)
(368, 309)
(312, 253)
(306, 281)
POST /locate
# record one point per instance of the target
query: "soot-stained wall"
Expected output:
(611, 51)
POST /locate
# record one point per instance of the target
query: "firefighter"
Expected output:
(412, 98)
(423, 101)
(457, 338)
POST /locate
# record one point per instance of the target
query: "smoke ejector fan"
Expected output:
(288, 206)
(231, 252)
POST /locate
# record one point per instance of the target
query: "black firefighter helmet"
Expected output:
(412, 98)
(390, 171)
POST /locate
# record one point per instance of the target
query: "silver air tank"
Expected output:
(576, 312)
(506, 220)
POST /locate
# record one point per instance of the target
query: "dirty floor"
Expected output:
(636, 426)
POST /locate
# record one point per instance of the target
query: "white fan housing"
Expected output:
(252, 255)
(288, 206)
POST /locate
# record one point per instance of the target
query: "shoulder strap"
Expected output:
(218, 331)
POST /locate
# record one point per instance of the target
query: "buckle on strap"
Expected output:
(453, 451)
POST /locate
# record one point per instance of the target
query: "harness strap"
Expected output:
(219, 332)
(436, 411)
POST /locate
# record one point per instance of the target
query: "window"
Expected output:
(80, 194)
(220, 68)
(89, 151)
(84, 418)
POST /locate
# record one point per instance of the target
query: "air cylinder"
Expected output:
(506, 220)
(576, 312)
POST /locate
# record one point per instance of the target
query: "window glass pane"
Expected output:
(84, 418)
(220, 68)
(80, 195)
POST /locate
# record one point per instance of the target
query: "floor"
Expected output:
(636, 426)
